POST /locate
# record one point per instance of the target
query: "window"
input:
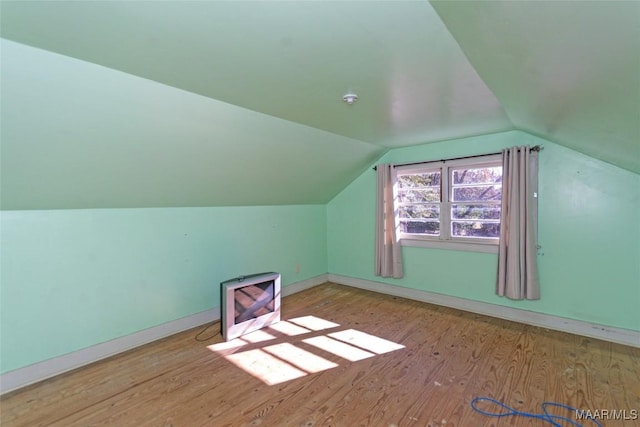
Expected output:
(450, 204)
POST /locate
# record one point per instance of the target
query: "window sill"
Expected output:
(490, 248)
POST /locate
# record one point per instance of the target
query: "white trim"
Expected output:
(489, 248)
(39, 371)
(21, 377)
(593, 330)
(445, 240)
(31, 374)
(304, 284)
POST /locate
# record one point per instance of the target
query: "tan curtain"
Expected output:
(388, 253)
(517, 257)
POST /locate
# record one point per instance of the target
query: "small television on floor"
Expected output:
(249, 303)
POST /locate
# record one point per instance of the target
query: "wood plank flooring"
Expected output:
(385, 361)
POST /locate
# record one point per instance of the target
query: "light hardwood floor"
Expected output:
(384, 361)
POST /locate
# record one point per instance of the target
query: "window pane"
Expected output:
(477, 175)
(418, 180)
(475, 229)
(420, 227)
(419, 195)
(474, 193)
(475, 211)
(479, 193)
(419, 211)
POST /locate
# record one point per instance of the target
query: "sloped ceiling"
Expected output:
(211, 103)
(565, 70)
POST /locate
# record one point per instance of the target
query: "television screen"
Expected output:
(253, 301)
(249, 303)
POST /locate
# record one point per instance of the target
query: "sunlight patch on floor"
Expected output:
(289, 328)
(303, 359)
(229, 347)
(262, 365)
(313, 323)
(258, 336)
(339, 348)
(278, 362)
(366, 341)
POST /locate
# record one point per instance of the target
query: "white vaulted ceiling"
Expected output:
(569, 71)
(138, 104)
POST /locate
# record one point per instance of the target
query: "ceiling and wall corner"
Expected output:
(567, 71)
(79, 135)
(190, 103)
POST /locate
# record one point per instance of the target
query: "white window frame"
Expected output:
(445, 240)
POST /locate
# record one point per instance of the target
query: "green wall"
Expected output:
(74, 278)
(589, 263)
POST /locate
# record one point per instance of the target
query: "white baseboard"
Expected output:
(578, 327)
(304, 284)
(21, 377)
(31, 374)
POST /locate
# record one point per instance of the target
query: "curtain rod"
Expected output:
(534, 148)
